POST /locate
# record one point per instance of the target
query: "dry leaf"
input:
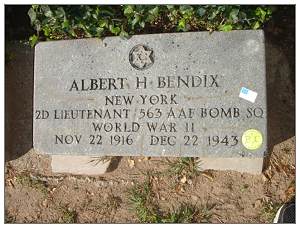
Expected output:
(208, 176)
(131, 163)
(258, 204)
(45, 203)
(183, 179)
(182, 190)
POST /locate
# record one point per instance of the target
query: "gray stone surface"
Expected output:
(244, 165)
(78, 165)
(237, 58)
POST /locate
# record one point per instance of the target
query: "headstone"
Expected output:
(191, 94)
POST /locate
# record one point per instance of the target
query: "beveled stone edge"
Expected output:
(78, 165)
(243, 165)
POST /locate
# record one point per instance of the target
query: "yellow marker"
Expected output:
(252, 139)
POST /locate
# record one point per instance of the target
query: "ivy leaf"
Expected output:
(142, 24)
(99, 31)
(181, 24)
(185, 9)
(213, 15)
(65, 24)
(124, 34)
(221, 8)
(256, 25)
(106, 12)
(72, 32)
(170, 7)
(225, 27)
(32, 15)
(103, 23)
(154, 11)
(114, 30)
(234, 14)
(153, 14)
(47, 11)
(201, 11)
(33, 40)
(260, 13)
(60, 12)
(128, 10)
(46, 31)
(136, 19)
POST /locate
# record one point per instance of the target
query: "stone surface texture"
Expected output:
(238, 58)
(247, 165)
(78, 165)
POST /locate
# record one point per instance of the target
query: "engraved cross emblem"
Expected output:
(141, 57)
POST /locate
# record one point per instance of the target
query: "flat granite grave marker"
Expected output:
(189, 94)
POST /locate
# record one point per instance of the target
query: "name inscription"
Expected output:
(162, 82)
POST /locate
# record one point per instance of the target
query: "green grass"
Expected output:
(9, 218)
(31, 182)
(112, 203)
(269, 210)
(103, 159)
(186, 166)
(142, 201)
(68, 215)
(244, 187)
(188, 214)
(146, 208)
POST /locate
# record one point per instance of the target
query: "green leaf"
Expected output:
(103, 23)
(65, 24)
(154, 11)
(213, 15)
(33, 40)
(47, 11)
(225, 27)
(181, 24)
(35, 6)
(256, 25)
(72, 32)
(136, 19)
(170, 7)
(234, 14)
(201, 11)
(128, 10)
(221, 8)
(32, 15)
(260, 13)
(46, 31)
(60, 12)
(124, 34)
(114, 30)
(99, 31)
(106, 12)
(184, 9)
(142, 24)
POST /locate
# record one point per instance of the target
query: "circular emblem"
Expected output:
(141, 57)
(252, 139)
